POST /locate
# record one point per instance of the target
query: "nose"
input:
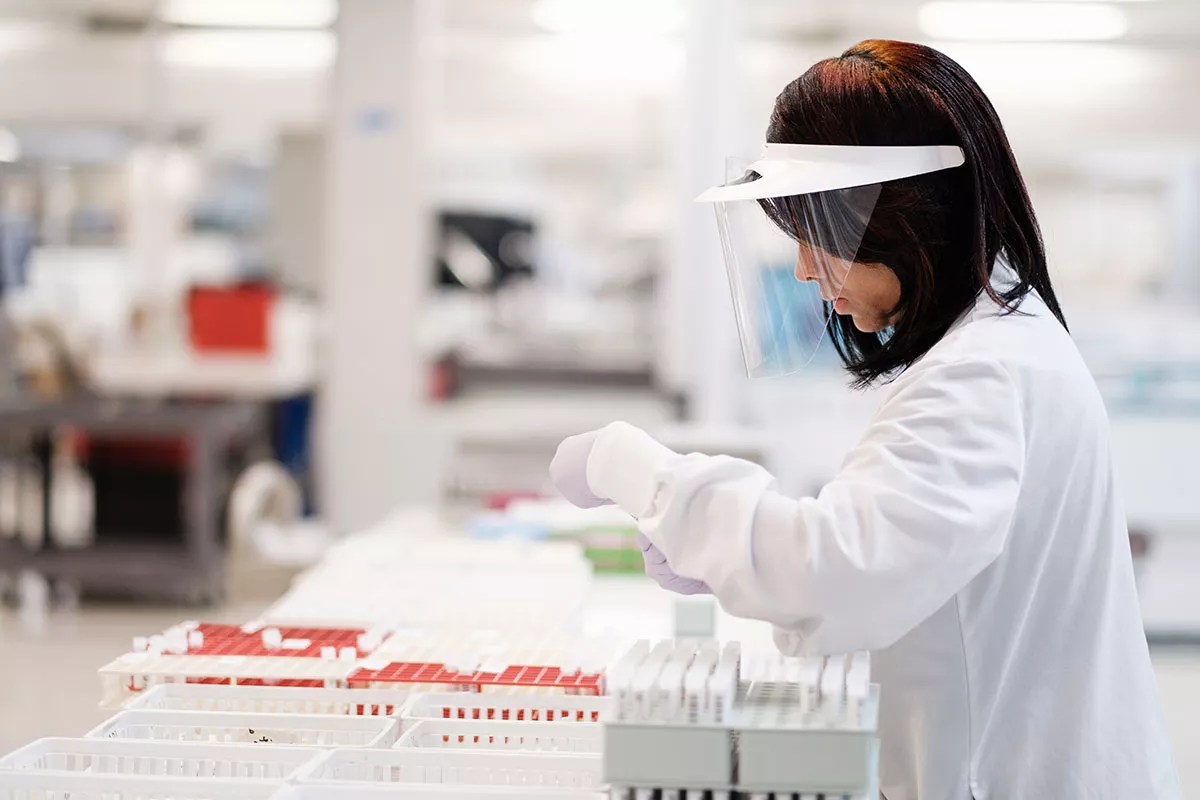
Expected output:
(805, 268)
(807, 272)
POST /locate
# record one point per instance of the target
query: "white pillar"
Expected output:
(371, 452)
(699, 354)
(1183, 280)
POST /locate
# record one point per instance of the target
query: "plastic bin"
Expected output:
(305, 730)
(270, 700)
(231, 319)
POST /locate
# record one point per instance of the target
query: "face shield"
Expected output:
(791, 224)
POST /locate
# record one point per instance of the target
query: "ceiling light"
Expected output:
(609, 16)
(18, 36)
(250, 13)
(1023, 22)
(250, 50)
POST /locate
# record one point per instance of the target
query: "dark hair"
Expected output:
(941, 232)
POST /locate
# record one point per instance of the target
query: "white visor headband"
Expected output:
(792, 169)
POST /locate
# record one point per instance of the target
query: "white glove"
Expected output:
(568, 470)
(618, 463)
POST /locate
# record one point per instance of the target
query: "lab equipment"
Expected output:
(809, 206)
(690, 720)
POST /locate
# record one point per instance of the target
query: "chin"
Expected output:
(867, 325)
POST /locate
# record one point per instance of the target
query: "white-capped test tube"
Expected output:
(858, 685)
(329, 653)
(723, 685)
(809, 680)
(620, 678)
(195, 639)
(348, 654)
(667, 704)
(833, 687)
(645, 681)
(695, 682)
(272, 638)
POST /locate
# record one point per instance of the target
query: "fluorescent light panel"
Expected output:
(1023, 21)
(609, 16)
(250, 49)
(250, 13)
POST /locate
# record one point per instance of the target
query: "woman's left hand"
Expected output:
(658, 569)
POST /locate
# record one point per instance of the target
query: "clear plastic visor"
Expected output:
(788, 260)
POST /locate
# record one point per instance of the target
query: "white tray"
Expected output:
(509, 707)
(467, 734)
(65, 757)
(270, 700)
(59, 786)
(308, 730)
(421, 765)
(407, 791)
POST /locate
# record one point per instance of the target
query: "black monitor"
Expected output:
(482, 252)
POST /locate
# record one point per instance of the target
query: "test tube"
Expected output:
(620, 677)
(272, 639)
(667, 704)
(646, 679)
(833, 686)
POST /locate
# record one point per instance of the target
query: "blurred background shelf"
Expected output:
(185, 559)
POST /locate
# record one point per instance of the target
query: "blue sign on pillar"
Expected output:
(374, 120)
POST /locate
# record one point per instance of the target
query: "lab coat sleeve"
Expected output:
(920, 507)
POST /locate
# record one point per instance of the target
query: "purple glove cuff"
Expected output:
(658, 569)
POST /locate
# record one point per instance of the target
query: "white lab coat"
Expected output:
(974, 540)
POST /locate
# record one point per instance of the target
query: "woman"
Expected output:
(974, 538)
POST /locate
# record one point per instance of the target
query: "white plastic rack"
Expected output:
(459, 734)
(452, 766)
(306, 730)
(271, 700)
(509, 706)
(158, 759)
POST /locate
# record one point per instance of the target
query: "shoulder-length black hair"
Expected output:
(941, 232)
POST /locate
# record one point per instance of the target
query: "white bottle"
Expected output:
(72, 500)
(30, 510)
(10, 499)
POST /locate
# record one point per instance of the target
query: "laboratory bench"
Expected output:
(186, 565)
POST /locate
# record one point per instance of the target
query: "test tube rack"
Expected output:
(378, 658)
(302, 730)
(271, 700)
(688, 719)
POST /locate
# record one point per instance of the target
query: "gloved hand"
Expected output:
(568, 470)
(658, 569)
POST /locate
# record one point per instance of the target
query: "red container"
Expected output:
(231, 319)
